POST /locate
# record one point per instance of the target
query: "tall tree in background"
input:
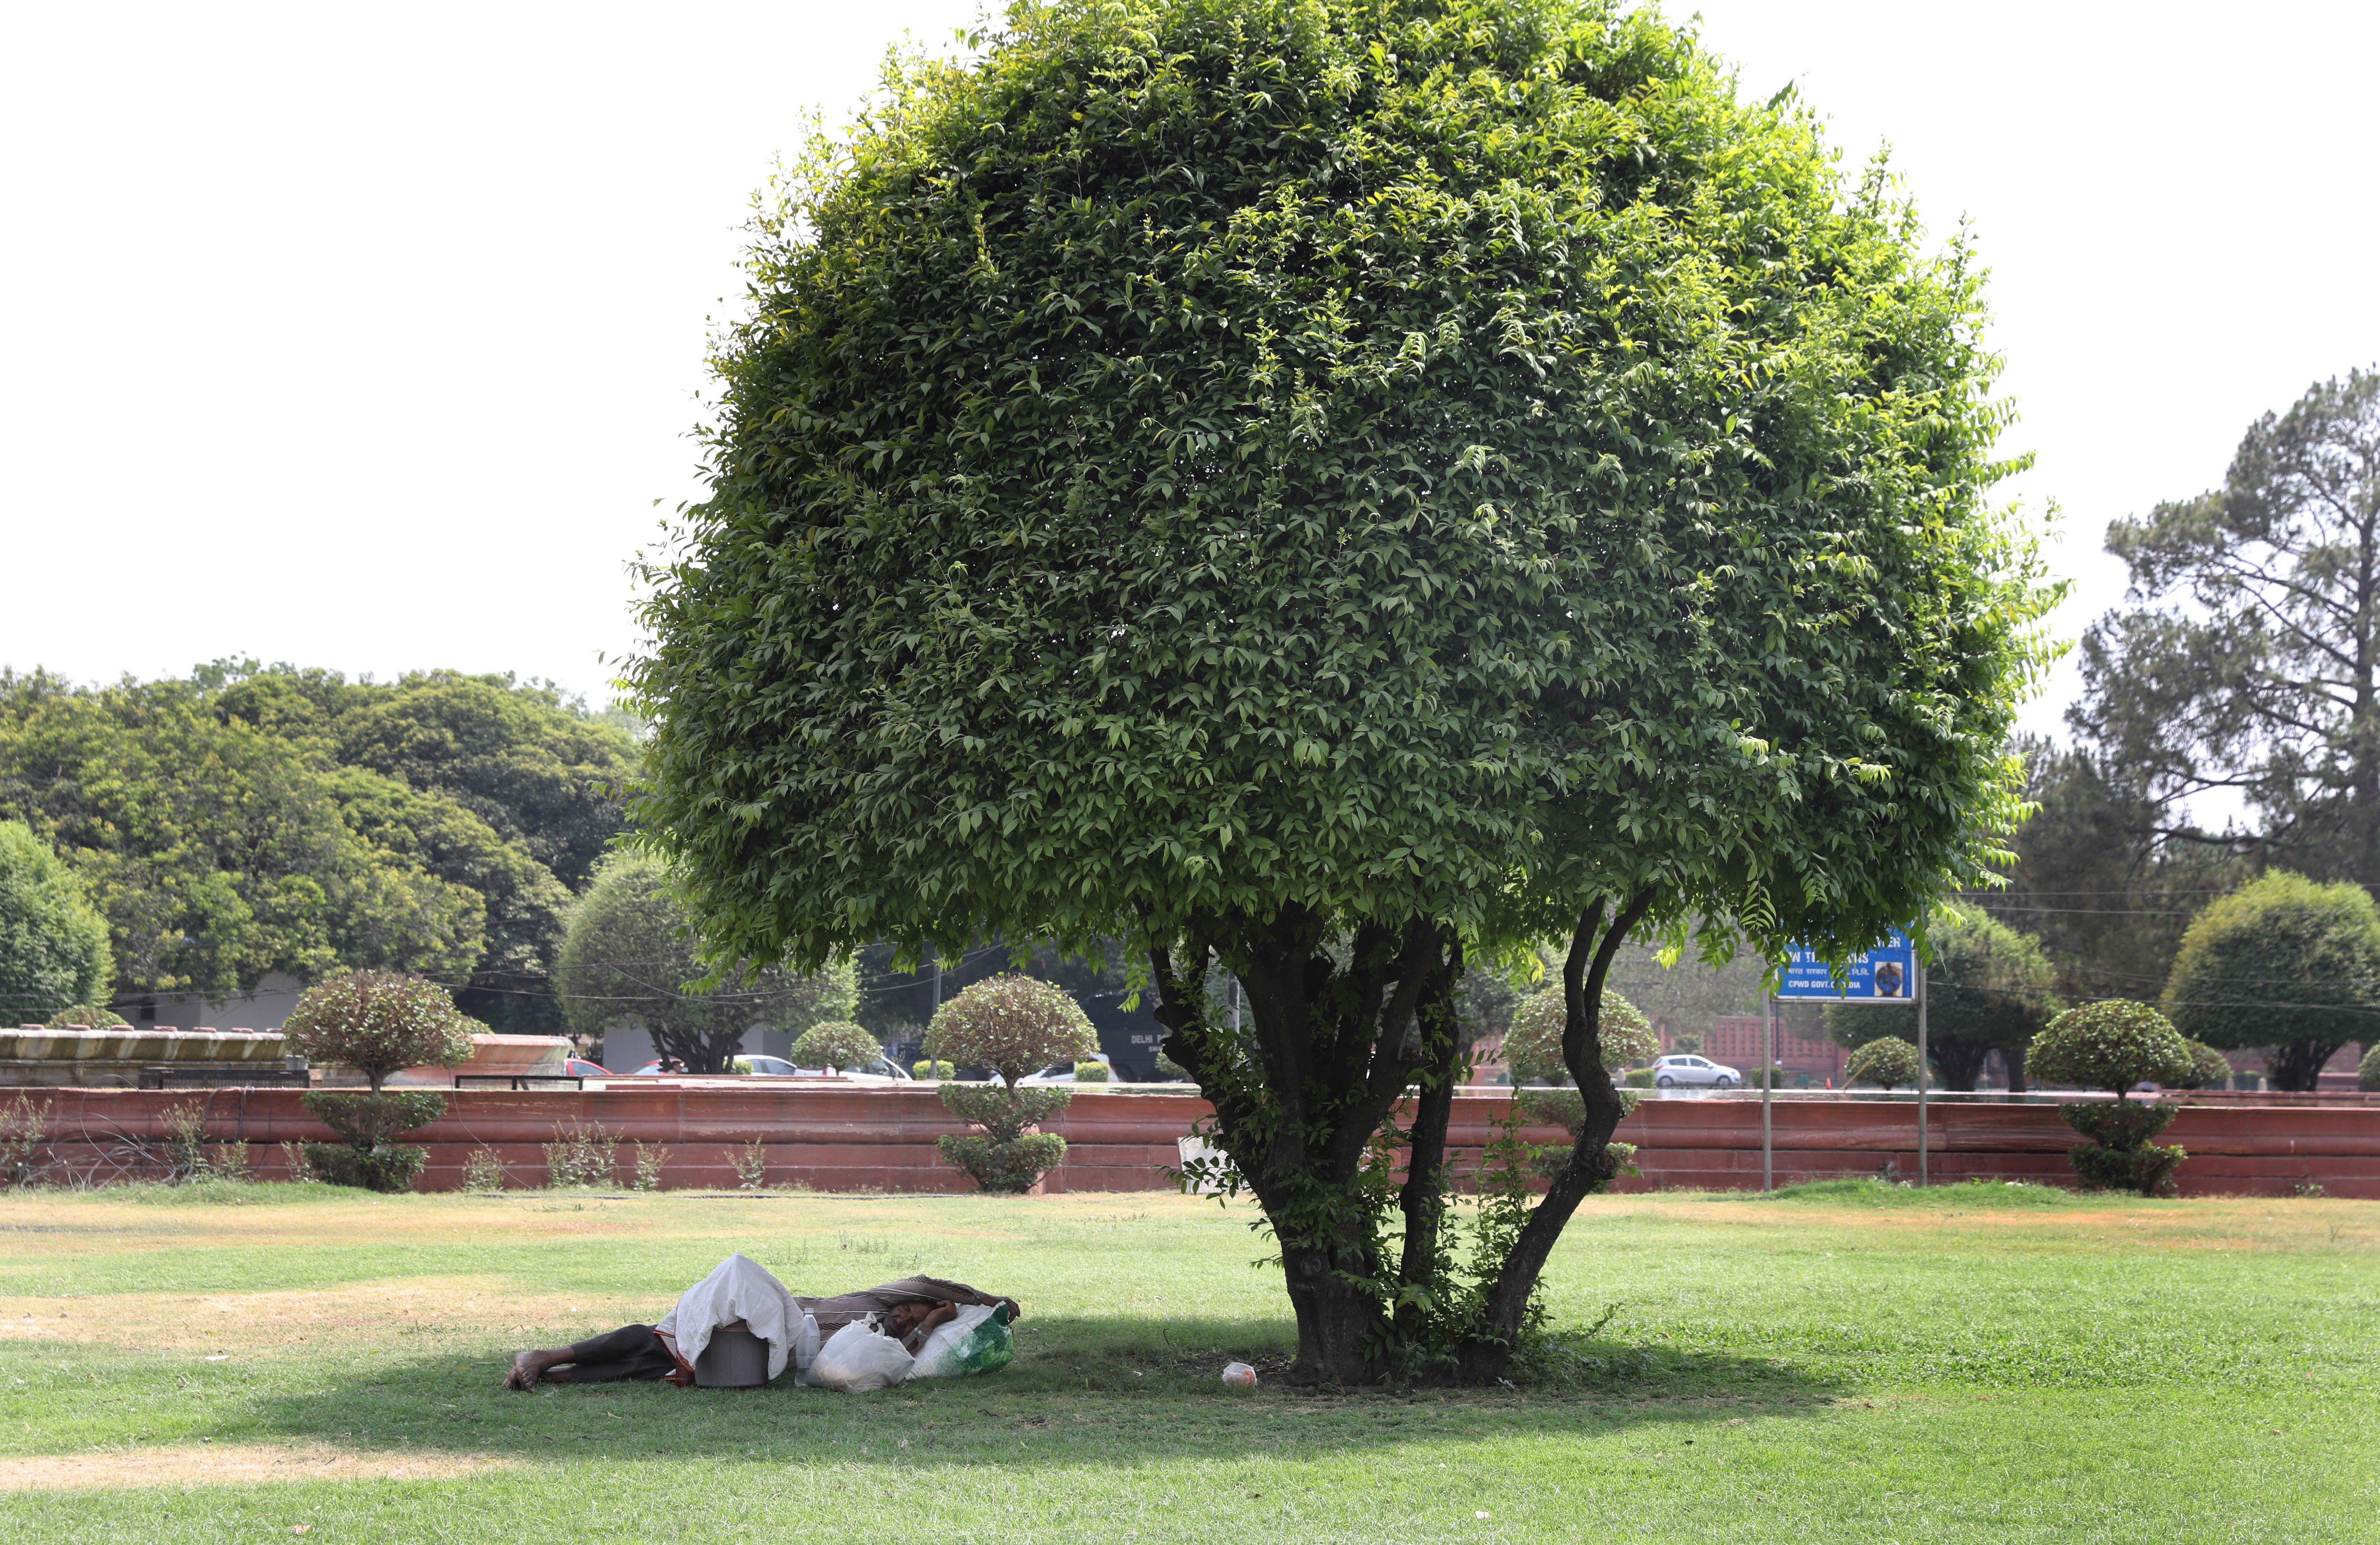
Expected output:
(250, 820)
(2249, 659)
(633, 959)
(2285, 966)
(53, 942)
(1347, 489)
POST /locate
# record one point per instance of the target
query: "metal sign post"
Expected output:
(1767, 1091)
(1925, 1152)
(1889, 974)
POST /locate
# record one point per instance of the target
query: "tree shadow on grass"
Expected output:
(1083, 1391)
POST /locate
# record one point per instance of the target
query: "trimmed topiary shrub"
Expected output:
(380, 1022)
(2367, 1072)
(367, 1126)
(836, 1043)
(929, 1068)
(1014, 1026)
(2114, 1046)
(1091, 1073)
(2282, 963)
(1889, 1061)
(1533, 1046)
(83, 1017)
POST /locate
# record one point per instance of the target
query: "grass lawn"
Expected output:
(1846, 1363)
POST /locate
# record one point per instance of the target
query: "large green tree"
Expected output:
(1344, 489)
(2248, 659)
(53, 942)
(633, 959)
(1989, 988)
(249, 819)
(2283, 965)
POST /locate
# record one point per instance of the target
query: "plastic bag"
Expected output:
(976, 1341)
(857, 1359)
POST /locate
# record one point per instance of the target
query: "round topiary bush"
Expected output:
(1533, 1046)
(2367, 1072)
(926, 1067)
(2113, 1045)
(1093, 1072)
(1889, 1061)
(1014, 1026)
(378, 1023)
(836, 1043)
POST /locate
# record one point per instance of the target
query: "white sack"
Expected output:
(857, 1359)
(741, 1288)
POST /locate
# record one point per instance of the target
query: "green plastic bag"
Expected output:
(977, 1341)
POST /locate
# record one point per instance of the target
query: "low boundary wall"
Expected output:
(879, 1137)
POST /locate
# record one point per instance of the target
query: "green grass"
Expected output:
(1838, 1362)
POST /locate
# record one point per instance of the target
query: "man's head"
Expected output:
(902, 1320)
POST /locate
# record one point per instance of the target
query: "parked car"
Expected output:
(1064, 1072)
(1681, 1070)
(579, 1067)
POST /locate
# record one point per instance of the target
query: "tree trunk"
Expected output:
(2296, 1066)
(1334, 1318)
(2014, 1057)
(1961, 1062)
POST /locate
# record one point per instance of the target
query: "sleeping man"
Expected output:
(908, 1310)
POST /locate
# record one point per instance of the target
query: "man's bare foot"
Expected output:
(525, 1371)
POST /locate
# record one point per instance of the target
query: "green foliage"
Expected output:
(1090, 1072)
(1987, 987)
(1236, 476)
(1638, 1079)
(1173, 1070)
(1008, 1167)
(2208, 1068)
(2146, 1168)
(23, 1126)
(582, 1153)
(2367, 1072)
(54, 948)
(926, 1067)
(1002, 1111)
(2251, 655)
(251, 820)
(632, 959)
(372, 1120)
(374, 1169)
(2285, 964)
(84, 1016)
(380, 1022)
(1533, 1046)
(2112, 1045)
(484, 1171)
(1016, 1025)
(1887, 1061)
(2117, 1123)
(836, 1043)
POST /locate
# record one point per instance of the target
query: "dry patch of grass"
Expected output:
(350, 1314)
(228, 1464)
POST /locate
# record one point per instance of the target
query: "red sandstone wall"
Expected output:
(849, 1138)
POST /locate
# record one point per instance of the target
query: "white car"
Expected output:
(1064, 1072)
(1682, 1070)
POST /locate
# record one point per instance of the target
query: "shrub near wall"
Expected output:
(2114, 1046)
(1014, 1026)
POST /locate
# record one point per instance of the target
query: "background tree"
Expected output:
(1014, 1026)
(52, 944)
(1533, 1047)
(251, 819)
(1344, 492)
(632, 959)
(2283, 965)
(2249, 659)
(378, 1023)
(2116, 1046)
(1989, 988)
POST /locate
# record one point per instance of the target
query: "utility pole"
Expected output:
(1767, 1091)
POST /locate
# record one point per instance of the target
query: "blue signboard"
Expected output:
(1887, 974)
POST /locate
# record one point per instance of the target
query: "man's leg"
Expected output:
(627, 1353)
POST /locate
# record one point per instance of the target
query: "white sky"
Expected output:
(368, 337)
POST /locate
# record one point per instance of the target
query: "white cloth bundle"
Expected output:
(741, 1289)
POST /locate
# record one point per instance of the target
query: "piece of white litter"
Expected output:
(219, 1357)
(1479, 1516)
